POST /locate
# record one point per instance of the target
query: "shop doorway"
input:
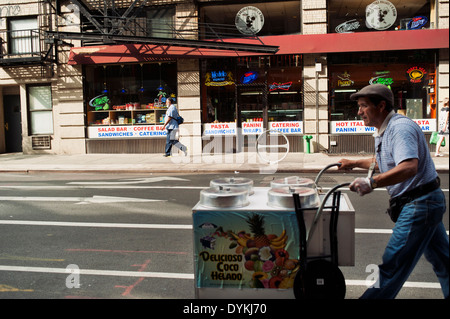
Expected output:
(13, 123)
(251, 103)
(251, 106)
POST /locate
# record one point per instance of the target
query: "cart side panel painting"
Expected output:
(245, 249)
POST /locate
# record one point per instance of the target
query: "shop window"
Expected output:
(409, 74)
(250, 17)
(129, 94)
(40, 108)
(23, 36)
(380, 15)
(219, 80)
(266, 88)
(285, 101)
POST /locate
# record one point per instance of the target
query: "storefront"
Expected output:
(242, 97)
(295, 76)
(245, 96)
(126, 106)
(411, 75)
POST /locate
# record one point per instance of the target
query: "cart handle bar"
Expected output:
(322, 205)
(324, 169)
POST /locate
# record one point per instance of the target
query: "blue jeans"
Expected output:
(171, 140)
(418, 230)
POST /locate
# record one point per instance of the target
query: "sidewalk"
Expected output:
(156, 163)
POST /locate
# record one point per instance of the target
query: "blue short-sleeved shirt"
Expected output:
(173, 113)
(402, 140)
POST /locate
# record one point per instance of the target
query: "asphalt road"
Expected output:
(82, 236)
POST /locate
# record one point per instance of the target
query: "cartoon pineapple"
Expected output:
(256, 223)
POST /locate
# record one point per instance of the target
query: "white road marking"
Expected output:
(81, 224)
(87, 200)
(372, 231)
(169, 275)
(408, 284)
(98, 272)
(115, 186)
(147, 226)
(133, 181)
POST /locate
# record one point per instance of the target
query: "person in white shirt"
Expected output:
(171, 125)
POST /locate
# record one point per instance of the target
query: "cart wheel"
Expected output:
(321, 280)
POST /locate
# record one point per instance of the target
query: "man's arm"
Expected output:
(398, 174)
(347, 164)
(167, 118)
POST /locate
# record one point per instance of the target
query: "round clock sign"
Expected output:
(380, 15)
(249, 20)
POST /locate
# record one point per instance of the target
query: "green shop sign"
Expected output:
(100, 102)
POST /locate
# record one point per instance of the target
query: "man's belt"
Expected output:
(396, 203)
(421, 190)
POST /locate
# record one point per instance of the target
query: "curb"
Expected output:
(182, 171)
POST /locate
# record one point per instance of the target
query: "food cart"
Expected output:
(247, 240)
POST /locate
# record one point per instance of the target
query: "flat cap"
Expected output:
(375, 90)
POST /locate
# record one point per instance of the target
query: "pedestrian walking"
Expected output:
(171, 125)
(417, 203)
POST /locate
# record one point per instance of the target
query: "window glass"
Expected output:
(132, 82)
(160, 22)
(41, 123)
(265, 18)
(24, 36)
(40, 98)
(218, 79)
(379, 15)
(129, 93)
(41, 109)
(409, 74)
(265, 87)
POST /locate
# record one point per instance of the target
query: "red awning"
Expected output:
(128, 53)
(361, 41)
(288, 44)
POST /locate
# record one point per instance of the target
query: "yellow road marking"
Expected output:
(25, 258)
(6, 288)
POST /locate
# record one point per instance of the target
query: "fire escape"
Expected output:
(29, 46)
(115, 22)
(125, 21)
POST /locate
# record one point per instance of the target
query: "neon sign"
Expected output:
(344, 80)
(100, 102)
(417, 23)
(219, 78)
(382, 77)
(249, 77)
(280, 86)
(416, 74)
(381, 80)
(348, 26)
